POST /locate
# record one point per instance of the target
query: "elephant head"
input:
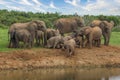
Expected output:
(42, 27)
(56, 32)
(85, 30)
(38, 25)
(106, 26)
(95, 23)
(80, 21)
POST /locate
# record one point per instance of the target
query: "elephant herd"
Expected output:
(80, 35)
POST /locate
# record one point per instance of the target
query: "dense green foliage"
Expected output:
(9, 17)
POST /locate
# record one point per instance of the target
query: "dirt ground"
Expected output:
(106, 56)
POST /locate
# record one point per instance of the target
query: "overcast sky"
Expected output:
(82, 7)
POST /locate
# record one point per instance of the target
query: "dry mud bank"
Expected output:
(106, 56)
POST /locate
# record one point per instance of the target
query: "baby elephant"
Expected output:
(79, 41)
(52, 33)
(39, 37)
(53, 42)
(24, 36)
(69, 47)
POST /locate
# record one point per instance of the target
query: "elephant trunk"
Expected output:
(45, 38)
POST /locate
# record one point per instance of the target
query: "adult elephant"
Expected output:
(31, 26)
(91, 34)
(66, 25)
(106, 29)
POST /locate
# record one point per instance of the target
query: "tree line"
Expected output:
(9, 17)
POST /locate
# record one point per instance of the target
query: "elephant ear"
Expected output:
(79, 21)
(112, 23)
(92, 25)
(32, 26)
(40, 24)
(104, 25)
(87, 31)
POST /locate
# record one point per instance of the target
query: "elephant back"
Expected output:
(17, 26)
(66, 25)
(95, 23)
(97, 32)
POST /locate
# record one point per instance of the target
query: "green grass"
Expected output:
(4, 40)
(115, 40)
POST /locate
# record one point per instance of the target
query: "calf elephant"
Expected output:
(51, 33)
(31, 27)
(69, 47)
(106, 29)
(91, 34)
(22, 35)
(54, 42)
(66, 38)
(79, 41)
(39, 37)
(66, 25)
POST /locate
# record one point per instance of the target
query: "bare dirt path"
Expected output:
(106, 56)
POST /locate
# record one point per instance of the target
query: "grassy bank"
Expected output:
(115, 39)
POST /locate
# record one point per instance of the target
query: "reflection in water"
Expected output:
(62, 74)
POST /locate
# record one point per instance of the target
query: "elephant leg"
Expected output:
(99, 43)
(32, 42)
(93, 42)
(90, 41)
(73, 51)
(36, 40)
(39, 42)
(45, 38)
(42, 41)
(17, 44)
(68, 52)
(96, 43)
(90, 44)
(85, 43)
(55, 44)
(108, 39)
(82, 42)
(29, 42)
(11, 44)
(105, 38)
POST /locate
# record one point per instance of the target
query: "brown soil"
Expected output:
(106, 56)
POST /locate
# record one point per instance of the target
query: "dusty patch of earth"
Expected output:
(106, 56)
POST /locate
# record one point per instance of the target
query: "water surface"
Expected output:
(62, 74)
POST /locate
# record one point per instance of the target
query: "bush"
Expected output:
(9, 17)
(116, 29)
(3, 26)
